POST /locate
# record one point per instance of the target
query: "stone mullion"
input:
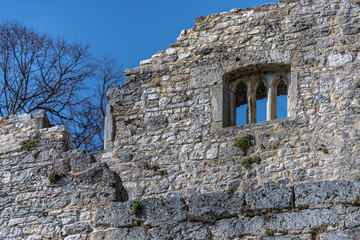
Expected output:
(271, 106)
(251, 109)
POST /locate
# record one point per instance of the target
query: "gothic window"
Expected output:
(256, 93)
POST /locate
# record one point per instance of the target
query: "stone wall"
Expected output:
(166, 123)
(88, 201)
(47, 189)
(166, 148)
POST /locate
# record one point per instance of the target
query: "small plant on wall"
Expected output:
(244, 143)
(54, 177)
(136, 207)
(357, 84)
(231, 189)
(246, 162)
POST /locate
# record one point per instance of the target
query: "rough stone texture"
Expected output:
(171, 112)
(116, 215)
(290, 237)
(212, 206)
(161, 210)
(312, 193)
(305, 219)
(341, 234)
(230, 228)
(32, 206)
(270, 198)
(138, 233)
(182, 231)
(166, 145)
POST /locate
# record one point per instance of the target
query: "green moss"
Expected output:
(231, 189)
(240, 235)
(357, 84)
(246, 162)
(163, 172)
(269, 232)
(36, 154)
(323, 149)
(54, 177)
(356, 202)
(244, 143)
(27, 145)
(136, 207)
(155, 167)
(257, 160)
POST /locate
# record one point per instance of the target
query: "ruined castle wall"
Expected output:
(167, 147)
(166, 123)
(36, 206)
(89, 202)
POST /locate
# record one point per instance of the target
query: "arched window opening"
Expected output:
(257, 93)
(281, 100)
(241, 104)
(261, 100)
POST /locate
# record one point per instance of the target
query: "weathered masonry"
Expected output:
(175, 166)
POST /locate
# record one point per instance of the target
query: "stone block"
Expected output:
(181, 231)
(159, 210)
(117, 214)
(351, 28)
(95, 196)
(353, 234)
(80, 161)
(339, 59)
(352, 217)
(270, 198)
(290, 237)
(76, 228)
(138, 233)
(230, 228)
(326, 192)
(209, 207)
(305, 219)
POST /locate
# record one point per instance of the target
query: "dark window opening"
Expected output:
(281, 100)
(261, 101)
(241, 105)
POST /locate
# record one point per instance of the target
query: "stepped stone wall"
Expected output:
(88, 201)
(170, 113)
(168, 147)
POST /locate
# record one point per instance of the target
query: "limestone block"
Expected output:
(341, 234)
(305, 219)
(138, 233)
(230, 228)
(117, 215)
(352, 218)
(95, 196)
(270, 198)
(339, 59)
(212, 206)
(181, 231)
(80, 161)
(76, 228)
(159, 210)
(326, 192)
(351, 28)
(290, 237)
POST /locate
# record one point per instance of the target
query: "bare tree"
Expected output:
(92, 111)
(38, 72)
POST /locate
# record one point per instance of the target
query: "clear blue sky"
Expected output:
(130, 31)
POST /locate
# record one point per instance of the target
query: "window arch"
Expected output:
(246, 87)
